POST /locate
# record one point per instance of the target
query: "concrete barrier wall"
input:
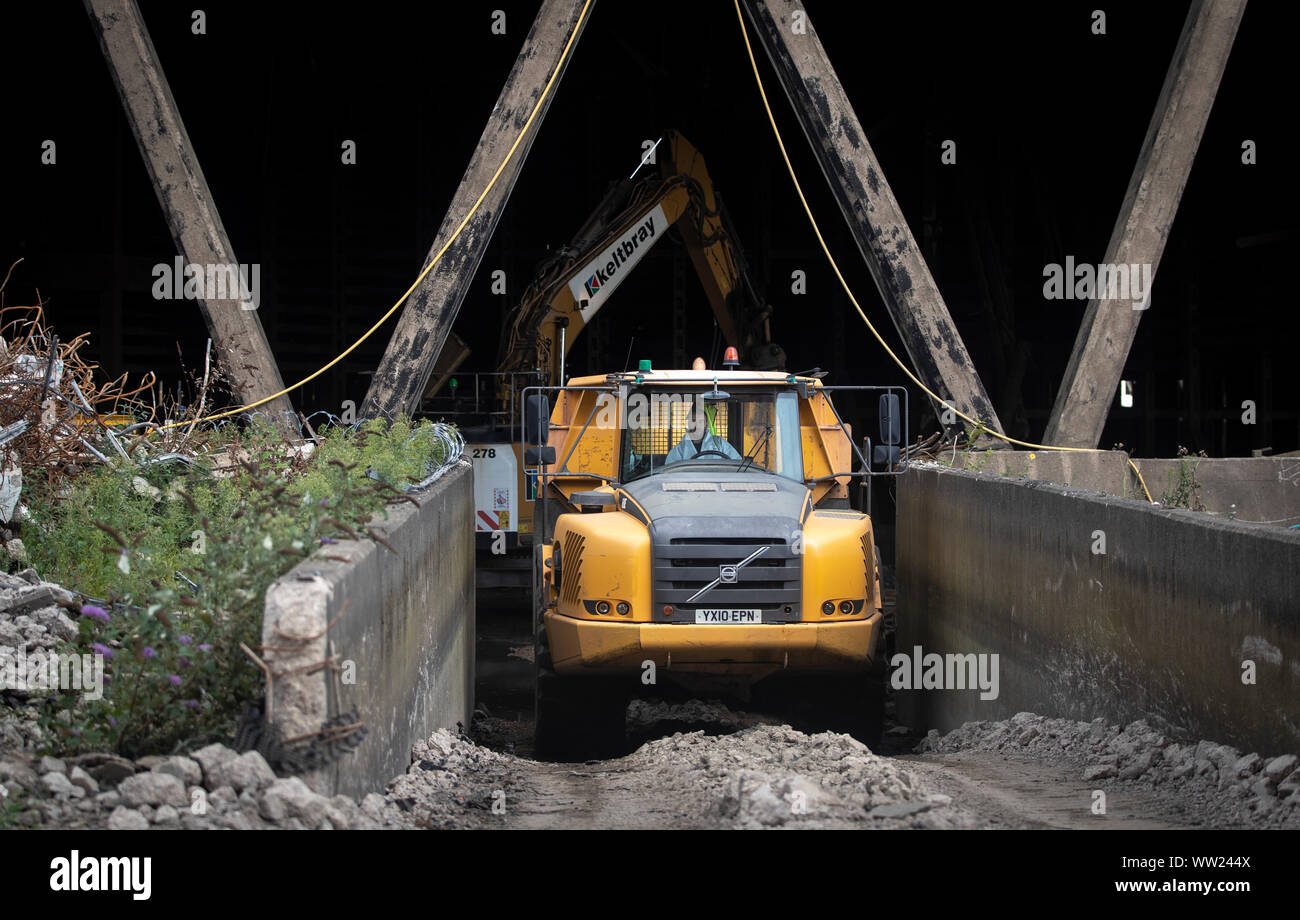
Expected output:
(1252, 489)
(1102, 471)
(1261, 489)
(1157, 627)
(400, 629)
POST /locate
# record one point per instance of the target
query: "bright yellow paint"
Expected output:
(834, 566)
(615, 564)
(593, 647)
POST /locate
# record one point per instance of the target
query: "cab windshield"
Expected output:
(679, 429)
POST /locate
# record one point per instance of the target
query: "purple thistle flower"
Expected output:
(184, 640)
(324, 502)
(174, 680)
(148, 652)
(190, 704)
(112, 722)
(184, 662)
(95, 613)
(102, 650)
(327, 541)
(205, 647)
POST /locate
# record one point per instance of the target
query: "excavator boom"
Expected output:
(573, 286)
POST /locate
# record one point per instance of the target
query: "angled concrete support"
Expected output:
(186, 201)
(879, 228)
(431, 309)
(1110, 325)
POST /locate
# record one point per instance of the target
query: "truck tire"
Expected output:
(574, 718)
(872, 727)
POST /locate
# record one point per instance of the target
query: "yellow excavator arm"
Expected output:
(573, 285)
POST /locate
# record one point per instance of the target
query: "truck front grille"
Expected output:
(684, 565)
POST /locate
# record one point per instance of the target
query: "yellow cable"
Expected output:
(437, 257)
(980, 426)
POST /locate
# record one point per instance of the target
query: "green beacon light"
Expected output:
(644, 365)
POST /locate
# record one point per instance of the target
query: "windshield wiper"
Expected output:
(753, 451)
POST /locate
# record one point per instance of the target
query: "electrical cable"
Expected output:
(980, 426)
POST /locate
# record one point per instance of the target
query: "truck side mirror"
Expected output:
(890, 431)
(887, 452)
(537, 419)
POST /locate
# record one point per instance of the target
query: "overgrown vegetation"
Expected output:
(172, 532)
(182, 554)
(1184, 491)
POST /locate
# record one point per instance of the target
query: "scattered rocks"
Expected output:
(80, 777)
(246, 772)
(107, 769)
(56, 623)
(1279, 768)
(58, 784)
(153, 789)
(239, 791)
(127, 819)
(184, 768)
(899, 809)
(1138, 764)
(1212, 781)
(1248, 765)
(208, 758)
(758, 776)
(1099, 771)
(212, 787)
(293, 798)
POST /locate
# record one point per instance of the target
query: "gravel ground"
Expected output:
(761, 775)
(212, 788)
(731, 770)
(1206, 783)
(693, 764)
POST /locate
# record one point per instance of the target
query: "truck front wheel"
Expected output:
(575, 718)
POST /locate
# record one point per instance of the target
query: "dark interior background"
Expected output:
(1047, 117)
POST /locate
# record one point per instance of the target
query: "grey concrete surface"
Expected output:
(1163, 625)
(1102, 471)
(400, 636)
(1259, 489)
(1250, 489)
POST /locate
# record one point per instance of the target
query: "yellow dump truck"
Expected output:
(694, 527)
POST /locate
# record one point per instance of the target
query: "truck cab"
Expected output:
(698, 529)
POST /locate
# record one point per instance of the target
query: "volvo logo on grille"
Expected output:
(727, 574)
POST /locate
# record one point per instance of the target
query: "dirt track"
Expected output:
(735, 770)
(701, 764)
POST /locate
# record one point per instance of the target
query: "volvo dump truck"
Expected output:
(695, 528)
(675, 197)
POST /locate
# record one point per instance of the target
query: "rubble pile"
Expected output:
(1225, 786)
